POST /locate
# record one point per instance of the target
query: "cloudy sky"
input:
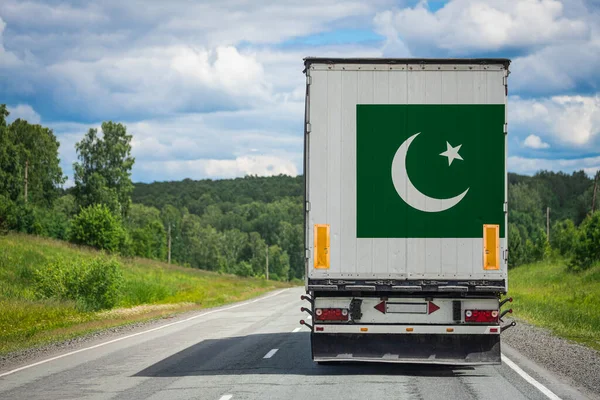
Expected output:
(214, 89)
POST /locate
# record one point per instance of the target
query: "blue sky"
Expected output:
(215, 89)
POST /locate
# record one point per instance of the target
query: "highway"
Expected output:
(254, 350)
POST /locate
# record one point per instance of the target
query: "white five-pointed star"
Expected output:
(452, 153)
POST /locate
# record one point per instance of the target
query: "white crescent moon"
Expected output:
(409, 193)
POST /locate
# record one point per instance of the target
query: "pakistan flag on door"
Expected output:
(429, 170)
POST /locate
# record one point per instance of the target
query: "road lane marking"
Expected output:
(547, 392)
(137, 334)
(271, 353)
(296, 330)
(226, 397)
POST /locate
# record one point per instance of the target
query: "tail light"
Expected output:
(331, 314)
(481, 316)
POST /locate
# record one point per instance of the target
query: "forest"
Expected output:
(234, 226)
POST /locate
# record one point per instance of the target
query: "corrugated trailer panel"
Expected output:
(335, 91)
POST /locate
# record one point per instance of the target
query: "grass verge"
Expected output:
(568, 304)
(150, 289)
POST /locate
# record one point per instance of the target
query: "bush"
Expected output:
(587, 244)
(516, 248)
(25, 219)
(243, 268)
(93, 284)
(541, 247)
(7, 215)
(96, 226)
(563, 237)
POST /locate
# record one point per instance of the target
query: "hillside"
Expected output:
(228, 224)
(197, 195)
(34, 313)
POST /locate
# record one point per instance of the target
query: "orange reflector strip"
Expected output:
(321, 249)
(364, 329)
(449, 329)
(409, 329)
(491, 247)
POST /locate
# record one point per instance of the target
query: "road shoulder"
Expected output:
(562, 364)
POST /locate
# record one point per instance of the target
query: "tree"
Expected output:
(256, 252)
(171, 219)
(103, 175)
(291, 240)
(200, 244)
(11, 164)
(279, 264)
(233, 242)
(33, 148)
(38, 148)
(147, 232)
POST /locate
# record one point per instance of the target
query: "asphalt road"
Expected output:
(254, 350)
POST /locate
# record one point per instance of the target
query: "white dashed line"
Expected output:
(138, 334)
(296, 330)
(226, 397)
(547, 392)
(271, 353)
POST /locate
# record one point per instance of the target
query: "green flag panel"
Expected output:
(429, 170)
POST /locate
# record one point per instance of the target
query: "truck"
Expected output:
(406, 209)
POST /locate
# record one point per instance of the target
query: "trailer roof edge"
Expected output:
(328, 60)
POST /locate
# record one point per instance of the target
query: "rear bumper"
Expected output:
(454, 349)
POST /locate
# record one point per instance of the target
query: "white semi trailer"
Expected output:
(406, 212)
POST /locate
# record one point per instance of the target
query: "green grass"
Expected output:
(27, 321)
(568, 304)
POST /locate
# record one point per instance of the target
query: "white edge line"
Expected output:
(271, 353)
(547, 392)
(226, 397)
(137, 334)
(296, 330)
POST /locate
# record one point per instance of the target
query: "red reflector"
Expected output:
(485, 316)
(319, 329)
(331, 314)
(493, 330)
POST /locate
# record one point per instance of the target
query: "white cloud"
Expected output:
(558, 42)
(159, 81)
(222, 68)
(529, 166)
(571, 120)
(137, 58)
(535, 142)
(466, 25)
(23, 111)
(193, 139)
(559, 67)
(251, 165)
(211, 24)
(7, 59)
(62, 15)
(219, 168)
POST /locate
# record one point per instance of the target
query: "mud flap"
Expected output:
(407, 348)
